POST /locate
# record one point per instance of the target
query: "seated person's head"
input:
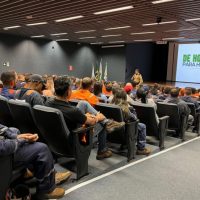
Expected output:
(167, 90)
(174, 92)
(21, 77)
(134, 84)
(27, 76)
(120, 96)
(62, 87)
(193, 90)
(142, 94)
(97, 88)
(128, 88)
(78, 83)
(86, 83)
(8, 79)
(37, 83)
(188, 91)
(108, 86)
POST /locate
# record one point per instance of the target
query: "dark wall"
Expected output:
(116, 62)
(50, 57)
(150, 58)
(46, 57)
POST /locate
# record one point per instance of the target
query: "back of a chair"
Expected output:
(146, 114)
(5, 114)
(52, 126)
(113, 112)
(74, 102)
(23, 116)
(170, 110)
(192, 109)
(110, 111)
(5, 174)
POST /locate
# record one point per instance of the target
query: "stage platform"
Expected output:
(176, 84)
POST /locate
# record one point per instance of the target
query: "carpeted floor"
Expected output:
(173, 175)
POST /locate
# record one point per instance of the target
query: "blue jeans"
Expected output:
(39, 158)
(99, 128)
(141, 139)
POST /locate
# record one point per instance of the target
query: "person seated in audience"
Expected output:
(141, 98)
(32, 91)
(195, 93)
(188, 98)
(83, 114)
(49, 90)
(98, 92)
(166, 94)
(183, 107)
(29, 153)
(20, 81)
(107, 88)
(9, 82)
(134, 90)
(84, 93)
(77, 84)
(120, 99)
(128, 88)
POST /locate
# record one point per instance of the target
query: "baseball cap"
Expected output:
(36, 78)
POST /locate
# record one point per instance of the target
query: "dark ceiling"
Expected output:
(22, 12)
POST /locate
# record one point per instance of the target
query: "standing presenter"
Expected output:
(137, 78)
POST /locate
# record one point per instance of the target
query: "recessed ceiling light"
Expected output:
(82, 38)
(178, 38)
(111, 35)
(184, 29)
(194, 19)
(96, 43)
(113, 10)
(69, 18)
(37, 24)
(154, 24)
(10, 27)
(56, 34)
(161, 1)
(62, 40)
(37, 36)
(112, 46)
(120, 27)
(87, 31)
(146, 40)
(143, 33)
(114, 42)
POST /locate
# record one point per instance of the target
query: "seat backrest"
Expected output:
(74, 102)
(110, 111)
(5, 114)
(146, 114)
(52, 126)
(23, 116)
(192, 109)
(5, 174)
(170, 110)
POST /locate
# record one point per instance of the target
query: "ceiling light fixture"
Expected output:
(37, 36)
(10, 27)
(112, 46)
(161, 1)
(96, 43)
(194, 19)
(113, 42)
(113, 10)
(178, 38)
(62, 40)
(87, 31)
(143, 33)
(114, 28)
(146, 40)
(37, 24)
(69, 18)
(82, 38)
(104, 36)
(154, 24)
(56, 34)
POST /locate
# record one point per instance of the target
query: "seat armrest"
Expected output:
(163, 118)
(82, 130)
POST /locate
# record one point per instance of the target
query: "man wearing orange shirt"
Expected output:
(84, 92)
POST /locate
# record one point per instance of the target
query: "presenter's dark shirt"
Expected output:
(72, 115)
